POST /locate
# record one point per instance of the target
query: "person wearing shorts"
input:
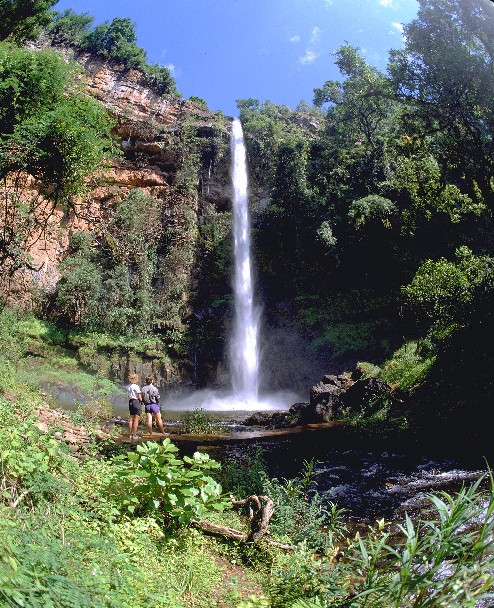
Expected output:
(135, 405)
(151, 398)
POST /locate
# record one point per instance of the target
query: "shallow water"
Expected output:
(369, 483)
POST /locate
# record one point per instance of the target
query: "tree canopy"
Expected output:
(22, 20)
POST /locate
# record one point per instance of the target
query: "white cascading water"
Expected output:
(244, 349)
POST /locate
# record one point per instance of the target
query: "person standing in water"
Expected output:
(151, 398)
(135, 405)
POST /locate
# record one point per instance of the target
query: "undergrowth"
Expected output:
(112, 529)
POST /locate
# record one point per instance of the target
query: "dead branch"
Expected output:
(261, 509)
(208, 526)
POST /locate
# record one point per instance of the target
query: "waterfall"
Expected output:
(244, 340)
(244, 349)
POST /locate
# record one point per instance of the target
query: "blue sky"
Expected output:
(280, 50)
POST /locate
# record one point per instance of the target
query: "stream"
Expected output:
(368, 483)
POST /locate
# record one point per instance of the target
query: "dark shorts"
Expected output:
(135, 407)
(152, 408)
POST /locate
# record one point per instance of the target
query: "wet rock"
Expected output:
(365, 396)
(341, 381)
(269, 420)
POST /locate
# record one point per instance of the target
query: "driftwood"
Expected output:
(261, 509)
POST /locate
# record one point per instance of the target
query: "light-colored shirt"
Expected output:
(133, 390)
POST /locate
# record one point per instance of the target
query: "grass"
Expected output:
(405, 369)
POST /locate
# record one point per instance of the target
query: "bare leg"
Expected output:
(131, 417)
(135, 423)
(159, 422)
(150, 422)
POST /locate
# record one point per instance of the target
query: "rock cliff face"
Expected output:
(172, 149)
(155, 134)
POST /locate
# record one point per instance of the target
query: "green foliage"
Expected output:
(116, 41)
(302, 516)
(22, 20)
(154, 478)
(30, 461)
(408, 366)
(325, 233)
(199, 421)
(442, 290)
(347, 337)
(443, 561)
(50, 131)
(254, 602)
(160, 79)
(296, 578)
(199, 101)
(109, 289)
(444, 78)
(68, 27)
(267, 127)
(373, 209)
(246, 475)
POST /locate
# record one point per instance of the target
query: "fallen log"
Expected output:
(261, 509)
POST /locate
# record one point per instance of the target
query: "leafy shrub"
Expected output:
(442, 291)
(199, 421)
(116, 41)
(301, 514)
(245, 474)
(374, 209)
(160, 79)
(407, 367)
(154, 478)
(69, 27)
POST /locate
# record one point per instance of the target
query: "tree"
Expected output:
(446, 292)
(52, 137)
(69, 27)
(22, 20)
(116, 41)
(444, 76)
(360, 104)
(160, 79)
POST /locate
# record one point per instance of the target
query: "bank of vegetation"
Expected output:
(112, 525)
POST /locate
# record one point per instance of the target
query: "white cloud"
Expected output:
(397, 26)
(295, 38)
(172, 68)
(386, 2)
(316, 33)
(309, 57)
(328, 2)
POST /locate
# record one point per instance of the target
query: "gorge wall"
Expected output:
(176, 151)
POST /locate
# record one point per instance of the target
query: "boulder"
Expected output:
(268, 420)
(365, 396)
